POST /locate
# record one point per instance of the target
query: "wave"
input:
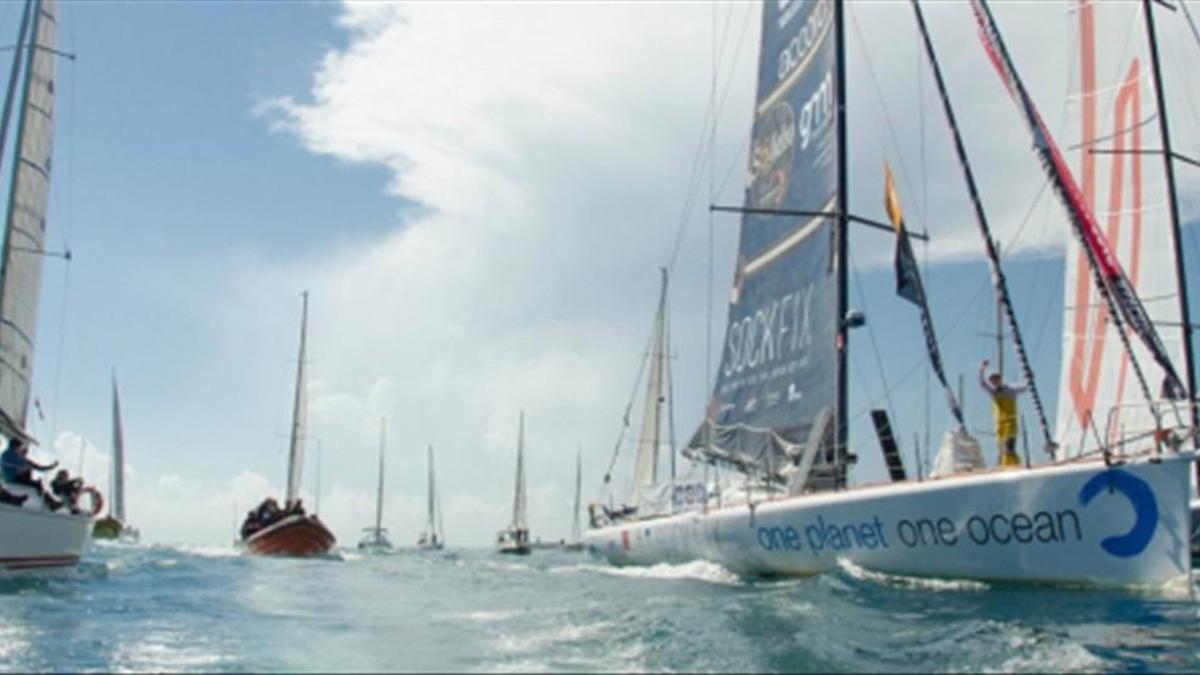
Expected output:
(854, 571)
(696, 570)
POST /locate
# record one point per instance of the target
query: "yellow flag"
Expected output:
(891, 202)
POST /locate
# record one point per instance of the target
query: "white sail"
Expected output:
(117, 508)
(379, 489)
(575, 531)
(429, 521)
(296, 440)
(1113, 118)
(645, 471)
(24, 236)
(518, 516)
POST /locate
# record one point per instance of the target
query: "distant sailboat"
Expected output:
(375, 537)
(31, 537)
(113, 526)
(576, 542)
(432, 539)
(515, 538)
(269, 529)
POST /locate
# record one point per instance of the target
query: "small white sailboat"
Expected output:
(514, 539)
(375, 537)
(576, 542)
(31, 535)
(114, 526)
(1111, 507)
(433, 538)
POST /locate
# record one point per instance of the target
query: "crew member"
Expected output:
(1004, 413)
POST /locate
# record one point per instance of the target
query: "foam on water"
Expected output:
(922, 583)
(697, 570)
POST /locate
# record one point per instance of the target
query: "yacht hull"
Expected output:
(32, 539)
(1070, 522)
(294, 536)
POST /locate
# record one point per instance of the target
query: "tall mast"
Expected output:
(841, 415)
(317, 495)
(518, 520)
(993, 252)
(14, 74)
(575, 532)
(118, 468)
(296, 441)
(430, 493)
(379, 489)
(1176, 229)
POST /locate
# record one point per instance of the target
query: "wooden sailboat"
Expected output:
(288, 530)
(1110, 507)
(432, 539)
(514, 539)
(114, 526)
(375, 537)
(31, 535)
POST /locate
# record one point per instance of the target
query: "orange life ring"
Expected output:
(97, 499)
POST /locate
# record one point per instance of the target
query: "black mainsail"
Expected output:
(780, 366)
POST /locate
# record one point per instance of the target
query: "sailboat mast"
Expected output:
(379, 489)
(993, 253)
(118, 468)
(14, 74)
(429, 527)
(841, 414)
(317, 495)
(296, 440)
(1173, 208)
(518, 519)
(575, 532)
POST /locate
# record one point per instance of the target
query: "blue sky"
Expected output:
(215, 158)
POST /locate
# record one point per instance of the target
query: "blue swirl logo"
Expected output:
(1145, 508)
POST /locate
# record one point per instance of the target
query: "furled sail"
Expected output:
(432, 526)
(1112, 114)
(299, 413)
(777, 375)
(118, 468)
(25, 233)
(379, 488)
(645, 472)
(518, 516)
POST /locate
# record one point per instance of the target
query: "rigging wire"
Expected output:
(68, 231)
(862, 298)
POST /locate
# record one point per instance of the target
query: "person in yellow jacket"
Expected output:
(1004, 413)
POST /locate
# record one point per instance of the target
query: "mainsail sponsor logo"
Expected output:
(774, 151)
(799, 49)
(1145, 508)
(774, 330)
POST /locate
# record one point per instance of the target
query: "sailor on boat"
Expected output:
(18, 469)
(68, 489)
(1004, 413)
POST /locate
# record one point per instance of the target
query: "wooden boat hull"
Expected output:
(35, 539)
(293, 536)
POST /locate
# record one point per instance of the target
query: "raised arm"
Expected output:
(987, 386)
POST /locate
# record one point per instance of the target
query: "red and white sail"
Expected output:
(1112, 117)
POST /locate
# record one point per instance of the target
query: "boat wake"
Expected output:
(697, 570)
(901, 581)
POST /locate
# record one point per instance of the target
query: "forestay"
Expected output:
(1112, 117)
(778, 365)
(25, 233)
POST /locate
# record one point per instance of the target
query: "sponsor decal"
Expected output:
(1145, 508)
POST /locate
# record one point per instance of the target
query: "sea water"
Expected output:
(154, 608)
